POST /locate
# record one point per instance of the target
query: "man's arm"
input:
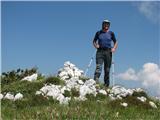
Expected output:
(115, 43)
(95, 44)
(115, 47)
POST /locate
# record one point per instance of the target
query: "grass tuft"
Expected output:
(139, 94)
(74, 92)
(54, 80)
(67, 93)
(83, 78)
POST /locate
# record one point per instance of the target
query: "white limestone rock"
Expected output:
(18, 96)
(138, 90)
(120, 91)
(80, 82)
(62, 99)
(142, 99)
(80, 98)
(69, 64)
(72, 83)
(62, 74)
(119, 97)
(152, 104)
(56, 92)
(69, 71)
(31, 78)
(70, 74)
(102, 92)
(65, 77)
(112, 97)
(1, 96)
(117, 90)
(124, 104)
(130, 92)
(38, 92)
(90, 82)
(85, 90)
(9, 96)
(65, 88)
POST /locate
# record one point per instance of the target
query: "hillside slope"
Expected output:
(26, 94)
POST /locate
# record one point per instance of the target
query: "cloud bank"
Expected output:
(149, 76)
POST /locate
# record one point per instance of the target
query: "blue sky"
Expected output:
(46, 34)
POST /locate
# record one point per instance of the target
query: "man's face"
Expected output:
(106, 26)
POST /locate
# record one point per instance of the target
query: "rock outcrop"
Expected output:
(72, 78)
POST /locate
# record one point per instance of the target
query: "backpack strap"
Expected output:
(98, 33)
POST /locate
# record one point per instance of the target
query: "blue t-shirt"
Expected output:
(105, 39)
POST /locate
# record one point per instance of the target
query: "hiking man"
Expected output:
(103, 43)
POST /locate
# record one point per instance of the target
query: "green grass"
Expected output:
(38, 107)
(83, 78)
(54, 80)
(90, 110)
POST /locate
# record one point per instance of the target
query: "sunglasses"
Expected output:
(106, 24)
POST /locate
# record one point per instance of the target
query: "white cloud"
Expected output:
(149, 76)
(150, 9)
(128, 75)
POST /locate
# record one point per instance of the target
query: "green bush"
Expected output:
(54, 80)
(23, 103)
(27, 88)
(40, 77)
(67, 93)
(84, 79)
(7, 103)
(132, 101)
(139, 94)
(90, 97)
(39, 100)
(101, 96)
(15, 75)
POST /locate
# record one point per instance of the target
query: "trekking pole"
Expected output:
(90, 63)
(113, 70)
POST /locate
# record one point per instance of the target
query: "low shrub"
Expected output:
(54, 80)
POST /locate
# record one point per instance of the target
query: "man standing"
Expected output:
(103, 43)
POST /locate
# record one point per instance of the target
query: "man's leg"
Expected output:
(99, 62)
(107, 66)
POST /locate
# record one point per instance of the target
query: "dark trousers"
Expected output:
(103, 56)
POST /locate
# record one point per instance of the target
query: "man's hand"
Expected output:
(96, 45)
(113, 50)
(115, 47)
